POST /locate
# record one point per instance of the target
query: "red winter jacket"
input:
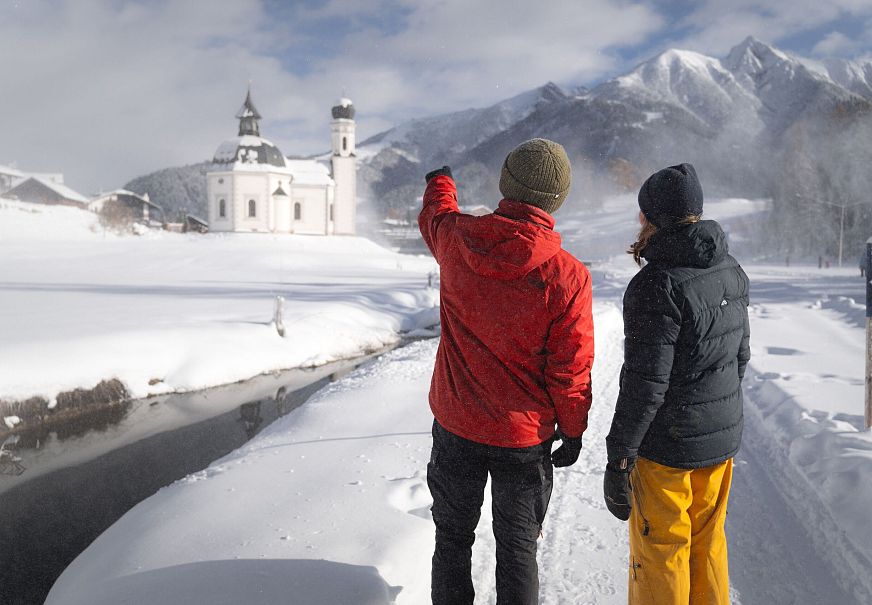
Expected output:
(517, 331)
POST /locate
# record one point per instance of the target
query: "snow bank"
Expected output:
(170, 312)
(804, 398)
(26, 221)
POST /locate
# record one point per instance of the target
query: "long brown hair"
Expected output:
(647, 232)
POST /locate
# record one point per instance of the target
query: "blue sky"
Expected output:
(105, 90)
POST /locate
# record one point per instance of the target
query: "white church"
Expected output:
(253, 187)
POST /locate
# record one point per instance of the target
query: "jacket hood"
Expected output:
(509, 243)
(701, 244)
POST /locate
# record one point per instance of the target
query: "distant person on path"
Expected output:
(678, 418)
(514, 363)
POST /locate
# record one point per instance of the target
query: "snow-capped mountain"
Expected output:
(459, 131)
(855, 76)
(726, 115)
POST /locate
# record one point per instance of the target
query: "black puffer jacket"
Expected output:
(686, 348)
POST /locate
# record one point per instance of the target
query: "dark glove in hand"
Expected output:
(616, 488)
(567, 453)
(444, 171)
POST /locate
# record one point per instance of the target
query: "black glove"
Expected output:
(567, 453)
(616, 489)
(444, 171)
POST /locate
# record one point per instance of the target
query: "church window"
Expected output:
(298, 211)
(344, 143)
(222, 209)
(331, 212)
(252, 209)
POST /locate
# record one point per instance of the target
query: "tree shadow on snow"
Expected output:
(251, 581)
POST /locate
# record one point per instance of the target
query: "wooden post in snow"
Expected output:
(279, 315)
(868, 414)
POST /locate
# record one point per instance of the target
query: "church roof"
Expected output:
(248, 110)
(309, 172)
(249, 150)
(343, 109)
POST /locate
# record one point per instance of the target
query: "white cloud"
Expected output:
(104, 90)
(835, 43)
(107, 90)
(716, 26)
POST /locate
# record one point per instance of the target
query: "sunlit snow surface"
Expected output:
(331, 500)
(184, 312)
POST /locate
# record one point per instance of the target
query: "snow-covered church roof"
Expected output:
(344, 109)
(249, 149)
(309, 172)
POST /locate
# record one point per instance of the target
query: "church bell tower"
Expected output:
(344, 161)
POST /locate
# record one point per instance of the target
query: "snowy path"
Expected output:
(583, 552)
(771, 556)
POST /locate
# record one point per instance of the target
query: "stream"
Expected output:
(80, 478)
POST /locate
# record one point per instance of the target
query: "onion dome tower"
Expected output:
(344, 167)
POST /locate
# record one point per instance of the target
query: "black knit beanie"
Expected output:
(537, 172)
(670, 195)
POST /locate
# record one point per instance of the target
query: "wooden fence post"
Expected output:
(279, 315)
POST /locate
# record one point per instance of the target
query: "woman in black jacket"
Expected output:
(678, 418)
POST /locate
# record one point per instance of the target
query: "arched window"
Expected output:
(222, 209)
(252, 209)
(331, 212)
(298, 211)
(344, 143)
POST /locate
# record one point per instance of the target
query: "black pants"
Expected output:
(521, 481)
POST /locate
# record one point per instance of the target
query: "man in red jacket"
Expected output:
(514, 362)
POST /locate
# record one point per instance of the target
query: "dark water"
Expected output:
(82, 477)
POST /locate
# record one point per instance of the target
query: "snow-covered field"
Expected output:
(168, 312)
(330, 505)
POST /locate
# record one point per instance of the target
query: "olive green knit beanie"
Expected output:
(537, 172)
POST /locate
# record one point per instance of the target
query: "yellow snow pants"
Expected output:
(678, 548)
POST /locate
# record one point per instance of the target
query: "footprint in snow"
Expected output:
(411, 495)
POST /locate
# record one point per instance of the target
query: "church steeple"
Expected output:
(248, 117)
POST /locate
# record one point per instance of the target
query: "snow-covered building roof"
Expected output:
(26, 188)
(61, 189)
(249, 149)
(309, 172)
(248, 110)
(343, 109)
(54, 177)
(96, 204)
(10, 171)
